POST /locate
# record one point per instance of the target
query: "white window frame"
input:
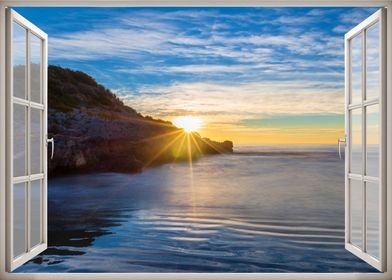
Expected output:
(191, 3)
(380, 18)
(12, 262)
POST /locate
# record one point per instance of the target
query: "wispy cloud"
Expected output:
(351, 18)
(355, 16)
(227, 64)
(237, 101)
(157, 33)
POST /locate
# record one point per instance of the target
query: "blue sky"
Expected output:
(252, 74)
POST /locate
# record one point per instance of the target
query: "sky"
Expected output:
(252, 75)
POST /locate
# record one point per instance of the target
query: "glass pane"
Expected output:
(19, 60)
(20, 113)
(372, 140)
(36, 138)
(19, 201)
(35, 206)
(356, 141)
(356, 69)
(373, 62)
(35, 68)
(356, 198)
(372, 219)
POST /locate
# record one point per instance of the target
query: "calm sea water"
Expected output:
(261, 209)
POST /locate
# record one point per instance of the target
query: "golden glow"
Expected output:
(273, 136)
(188, 123)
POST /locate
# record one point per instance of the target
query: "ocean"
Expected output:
(261, 209)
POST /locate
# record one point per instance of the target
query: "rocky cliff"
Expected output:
(95, 132)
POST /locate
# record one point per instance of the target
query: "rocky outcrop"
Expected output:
(95, 132)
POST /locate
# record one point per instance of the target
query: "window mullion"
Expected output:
(28, 218)
(364, 242)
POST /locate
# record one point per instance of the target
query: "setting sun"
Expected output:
(188, 123)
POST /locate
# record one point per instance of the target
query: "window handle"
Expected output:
(340, 141)
(51, 141)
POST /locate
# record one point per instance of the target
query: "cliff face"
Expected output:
(95, 132)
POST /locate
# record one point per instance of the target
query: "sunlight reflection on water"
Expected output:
(261, 209)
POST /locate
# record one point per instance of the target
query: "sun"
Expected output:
(188, 123)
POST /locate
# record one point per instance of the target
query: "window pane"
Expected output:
(35, 206)
(19, 203)
(356, 69)
(19, 60)
(356, 141)
(372, 219)
(372, 140)
(373, 62)
(20, 114)
(36, 138)
(356, 198)
(35, 68)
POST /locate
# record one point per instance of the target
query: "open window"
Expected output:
(366, 140)
(26, 127)
(365, 110)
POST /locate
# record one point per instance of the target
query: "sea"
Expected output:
(264, 208)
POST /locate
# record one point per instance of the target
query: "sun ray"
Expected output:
(164, 148)
(196, 144)
(213, 146)
(167, 134)
(189, 150)
(191, 174)
(180, 147)
(153, 122)
(108, 197)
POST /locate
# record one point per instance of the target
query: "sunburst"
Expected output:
(188, 123)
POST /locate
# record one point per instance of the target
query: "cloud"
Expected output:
(356, 15)
(224, 64)
(341, 29)
(148, 33)
(351, 18)
(110, 42)
(293, 20)
(230, 103)
(199, 69)
(318, 12)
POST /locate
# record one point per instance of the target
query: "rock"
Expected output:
(80, 160)
(95, 132)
